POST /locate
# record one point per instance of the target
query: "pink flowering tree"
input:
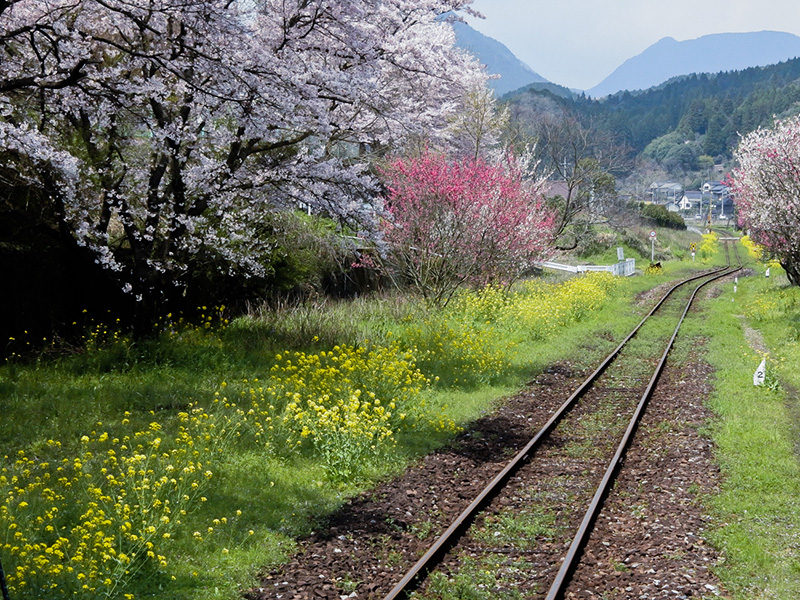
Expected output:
(766, 189)
(165, 132)
(462, 223)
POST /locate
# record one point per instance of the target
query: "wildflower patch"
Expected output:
(87, 525)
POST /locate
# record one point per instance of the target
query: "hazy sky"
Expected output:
(578, 43)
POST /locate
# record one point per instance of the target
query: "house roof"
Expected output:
(665, 186)
(716, 187)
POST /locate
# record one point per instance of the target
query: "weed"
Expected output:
(347, 584)
(620, 567)
(422, 530)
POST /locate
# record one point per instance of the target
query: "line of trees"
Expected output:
(685, 125)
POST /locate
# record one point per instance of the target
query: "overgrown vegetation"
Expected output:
(189, 461)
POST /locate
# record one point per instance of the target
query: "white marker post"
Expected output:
(761, 373)
(652, 246)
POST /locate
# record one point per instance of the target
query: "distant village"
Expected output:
(712, 201)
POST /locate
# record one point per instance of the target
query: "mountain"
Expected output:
(498, 60)
(714, 53)
(680, 121)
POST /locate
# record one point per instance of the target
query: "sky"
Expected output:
(578, 43)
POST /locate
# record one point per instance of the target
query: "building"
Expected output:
(719, 195)
(662, 192)
(690, 201)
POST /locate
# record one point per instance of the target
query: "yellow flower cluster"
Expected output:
(178, 327)
(779, 305)
(541, 310)
(474, 339)
(465, 342)
(461, 352)
(101, 335)
(346, 403)
(86, 525)
(708, 246)
(756, 251)
(654, 269)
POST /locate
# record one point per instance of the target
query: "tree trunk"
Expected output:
(792, 269)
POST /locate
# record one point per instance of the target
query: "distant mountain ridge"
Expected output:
(714, 53)
(497, 58)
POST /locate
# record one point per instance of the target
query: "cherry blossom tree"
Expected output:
(477, 130)
(466, 222)
(766, 190)
(165, 132)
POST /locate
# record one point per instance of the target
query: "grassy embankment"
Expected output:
(182, 465)
(756, 433)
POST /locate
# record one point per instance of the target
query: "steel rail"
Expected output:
(444, 541)
(562, 577)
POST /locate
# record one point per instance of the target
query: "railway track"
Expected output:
(558, 481)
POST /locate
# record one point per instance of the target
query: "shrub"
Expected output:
(659, 215)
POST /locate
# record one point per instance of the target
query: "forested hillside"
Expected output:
(686, 118)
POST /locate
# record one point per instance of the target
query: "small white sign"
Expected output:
(761, 373)
(767, 274)
(620, 253)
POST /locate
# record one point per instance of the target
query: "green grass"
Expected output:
(474, 353)
(756, 435)
(670, 245)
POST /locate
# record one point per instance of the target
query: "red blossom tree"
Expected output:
(766, 188)
(462, 223)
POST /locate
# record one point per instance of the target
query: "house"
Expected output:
(662, 192)
(719, 195)
(716, 189)
(673, 206)
(690, 201)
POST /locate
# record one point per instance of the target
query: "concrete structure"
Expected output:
(624, 268)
